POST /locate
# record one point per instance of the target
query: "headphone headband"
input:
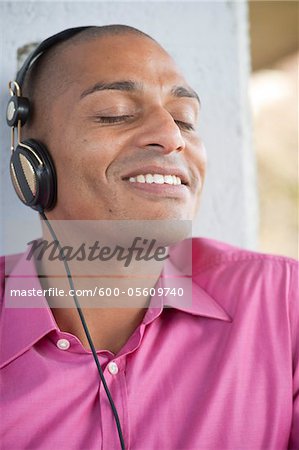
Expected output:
(45, 45)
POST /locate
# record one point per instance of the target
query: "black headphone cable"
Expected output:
(91, 344)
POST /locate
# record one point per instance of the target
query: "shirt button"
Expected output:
(113, 368)
(63, 344)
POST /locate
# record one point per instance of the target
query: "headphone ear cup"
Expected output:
(33, 175)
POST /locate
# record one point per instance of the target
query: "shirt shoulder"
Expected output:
(248, 282)
(208, 253)
(232, 269)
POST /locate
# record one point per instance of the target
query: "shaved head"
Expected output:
(48, 76)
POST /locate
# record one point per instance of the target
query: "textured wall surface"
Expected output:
(209, 40)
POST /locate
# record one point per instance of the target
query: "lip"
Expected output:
(179, 191)
(159, 170)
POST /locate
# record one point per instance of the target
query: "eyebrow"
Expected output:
(133, 86)
(127, 86)
(182, 91)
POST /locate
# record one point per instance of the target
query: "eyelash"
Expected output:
(185, 125)
(118, 119)
(112, 119)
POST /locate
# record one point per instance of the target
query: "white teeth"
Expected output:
(159, 179)
(140, 179)
(156, 178)
(168, 179)
(149, 178)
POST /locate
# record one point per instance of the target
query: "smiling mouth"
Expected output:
(156, 179)
(157, 185)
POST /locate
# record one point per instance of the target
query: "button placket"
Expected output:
(116, 381)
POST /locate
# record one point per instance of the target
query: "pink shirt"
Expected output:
(220, 374)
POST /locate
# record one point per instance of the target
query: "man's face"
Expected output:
(125, 115)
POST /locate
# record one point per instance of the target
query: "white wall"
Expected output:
(209, 40)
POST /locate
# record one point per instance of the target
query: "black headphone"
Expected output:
(31, 167)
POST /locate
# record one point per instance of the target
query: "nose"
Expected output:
(160, 130)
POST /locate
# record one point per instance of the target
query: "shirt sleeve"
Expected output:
(294, 323)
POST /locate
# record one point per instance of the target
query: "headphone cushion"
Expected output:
(33, 175)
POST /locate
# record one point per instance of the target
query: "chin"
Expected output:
(167, 230)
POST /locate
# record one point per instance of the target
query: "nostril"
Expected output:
(153, 146)
(162, 147)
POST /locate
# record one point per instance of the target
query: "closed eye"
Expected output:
(185, 125)
(117, 119)
(112, 119)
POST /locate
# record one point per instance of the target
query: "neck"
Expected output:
(115, 294)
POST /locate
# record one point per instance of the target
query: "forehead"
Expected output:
(121, 56)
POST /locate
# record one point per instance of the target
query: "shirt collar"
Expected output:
(21, 328)
(198, 301)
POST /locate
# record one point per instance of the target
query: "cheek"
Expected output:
(96, 148)
(198, 156)
(87, 158)
(202, 160)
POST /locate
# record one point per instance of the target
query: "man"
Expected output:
(120, 122)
